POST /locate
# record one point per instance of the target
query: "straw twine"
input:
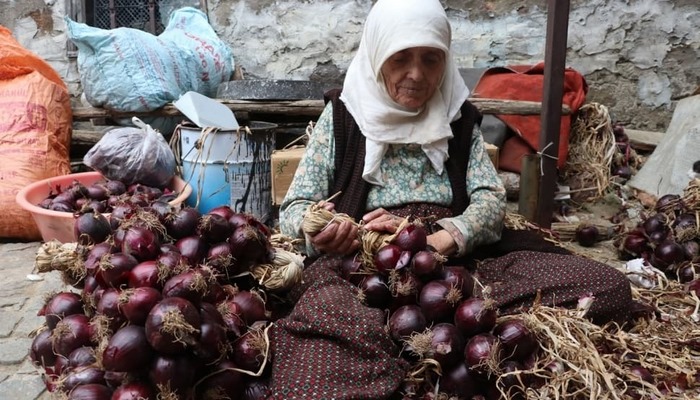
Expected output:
(591, 151)
(284, 272)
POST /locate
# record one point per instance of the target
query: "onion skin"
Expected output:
(375, 291)
(222, 383)
(134, 391)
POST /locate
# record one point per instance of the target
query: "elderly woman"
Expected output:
(402, 140)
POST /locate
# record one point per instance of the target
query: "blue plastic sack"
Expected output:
(130, 70)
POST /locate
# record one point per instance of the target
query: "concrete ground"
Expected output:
(20, 300)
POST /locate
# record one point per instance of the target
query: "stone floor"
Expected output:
(20, 300)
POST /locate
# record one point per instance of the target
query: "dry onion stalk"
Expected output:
(317, 218)
(567, 338)
(284, 272)
(66, 258)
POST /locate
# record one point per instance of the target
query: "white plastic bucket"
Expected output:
(229, 167)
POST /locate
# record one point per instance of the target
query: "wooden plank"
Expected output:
(644, 140)
(311, 108)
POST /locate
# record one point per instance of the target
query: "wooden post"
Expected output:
(554, 64)
(529, 186)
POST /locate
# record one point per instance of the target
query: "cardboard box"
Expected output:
(493, 153)
(284, 165)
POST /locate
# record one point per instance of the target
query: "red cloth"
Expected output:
(526, 82)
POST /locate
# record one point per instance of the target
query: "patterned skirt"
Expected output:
(331, 346)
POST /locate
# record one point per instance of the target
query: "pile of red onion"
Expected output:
(164, 309)
(669, 239)
(103, 196)
(449, 334)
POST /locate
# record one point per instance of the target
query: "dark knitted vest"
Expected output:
(350, 156)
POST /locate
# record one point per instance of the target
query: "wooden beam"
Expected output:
(554, 67)
(310, 108)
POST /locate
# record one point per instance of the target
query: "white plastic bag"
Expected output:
(133, 155)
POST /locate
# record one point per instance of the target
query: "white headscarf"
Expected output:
(392, 26)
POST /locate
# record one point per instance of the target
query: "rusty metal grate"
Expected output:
(138, 14)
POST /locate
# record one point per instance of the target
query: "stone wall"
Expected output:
(639, 57)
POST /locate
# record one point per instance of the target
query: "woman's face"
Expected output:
(411, 76)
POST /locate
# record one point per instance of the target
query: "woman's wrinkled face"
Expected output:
(412, 75)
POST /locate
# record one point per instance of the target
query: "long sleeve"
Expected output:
(482, 222)
(312, 179)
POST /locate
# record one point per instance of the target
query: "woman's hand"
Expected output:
(381, 220)
(443, 243)
(337, 238)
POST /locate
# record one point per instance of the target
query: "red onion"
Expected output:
(387, 258)
(249, 350)
(109, 305)
(182, 223)
(222, 383)
(82, 357)
(460, 277)
(134, 391)
(212, 344)
(173, 325)
(405, 321)
(127, 350)
(140, 242)
(113, 270)
(223, 210)
(694, 286)
(688, 271)
(174, 374)
(447, 345)
(81, 377)
(412, 238)
(92, 391)
(172, 262)
(60, 305)
(351, 269)
(192, 285)
(655, 223)
(438, 299)
(193, 248)
(667, 253)
(233, 319)
(458, 381)
(475, 315)
(136, 303)
(668, 203)
(517, 340)
(374, 291)
(146, 274)
(641, 373)
(41, 351)
(634, 244)
(586, 235)
(256, 389)
(513, 379)
(71, 332)
(427, 264)
(252, 306)
(482, 351)
(249, 245)
(405, 288)
(213, 228)
(91, 228)
(95, 254)
(219, 257)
